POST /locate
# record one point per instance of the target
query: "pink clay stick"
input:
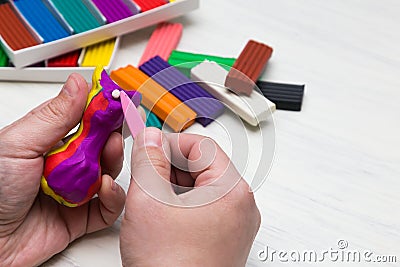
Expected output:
(164, 39)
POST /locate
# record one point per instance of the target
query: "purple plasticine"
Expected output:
(113, 10)
(76, 170)
(204, 104)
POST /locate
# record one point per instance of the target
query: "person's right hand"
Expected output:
(213, 224)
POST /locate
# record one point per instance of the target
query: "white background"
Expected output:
(336, 173)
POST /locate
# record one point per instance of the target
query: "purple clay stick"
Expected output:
(203, 103)
(113, 10)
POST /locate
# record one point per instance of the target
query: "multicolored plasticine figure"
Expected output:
(72, 173)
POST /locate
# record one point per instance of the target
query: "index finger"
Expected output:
(200, 156)
(212, 170)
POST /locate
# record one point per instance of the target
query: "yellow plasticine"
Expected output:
(99, 54)
(96, 87)
(48, 191)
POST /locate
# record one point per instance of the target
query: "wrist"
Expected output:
(173, 258)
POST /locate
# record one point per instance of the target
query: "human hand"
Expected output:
(213, 224)
(34, 227)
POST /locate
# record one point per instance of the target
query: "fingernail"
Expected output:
(114, 186)
(71, 86)
(150, 138)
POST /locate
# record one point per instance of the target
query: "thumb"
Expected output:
(39, 130)
(150, 166)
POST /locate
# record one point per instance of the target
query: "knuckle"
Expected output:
(208, 142)
(153, 157)
(243, 195)
(54, 112)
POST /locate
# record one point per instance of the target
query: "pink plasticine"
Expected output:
(164, 39)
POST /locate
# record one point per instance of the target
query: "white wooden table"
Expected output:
(336, 170)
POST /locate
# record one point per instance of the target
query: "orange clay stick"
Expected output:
(166, 106)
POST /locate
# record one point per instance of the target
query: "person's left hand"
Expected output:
(33, 226)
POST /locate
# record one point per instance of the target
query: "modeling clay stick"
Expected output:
(171, 35)
(13, 37)
(187, 57)
(72, 173)
(132, 6)
(44, 22)
(13, 30)
(248, 67)
(123, 10)
(204, 104)
(151, 119)
(164, 39)
(113, 10)
(134, 9)
(59, 17)
(77, 14)
(3, 58)
(95, 11)
(146, 5)
(19, 32)
(285, 96)
(98, 54)
(66, 60)
(166, 106)
(185, 61)
(253, 109)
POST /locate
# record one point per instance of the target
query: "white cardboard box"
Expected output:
(31, 55)
(51, 74)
